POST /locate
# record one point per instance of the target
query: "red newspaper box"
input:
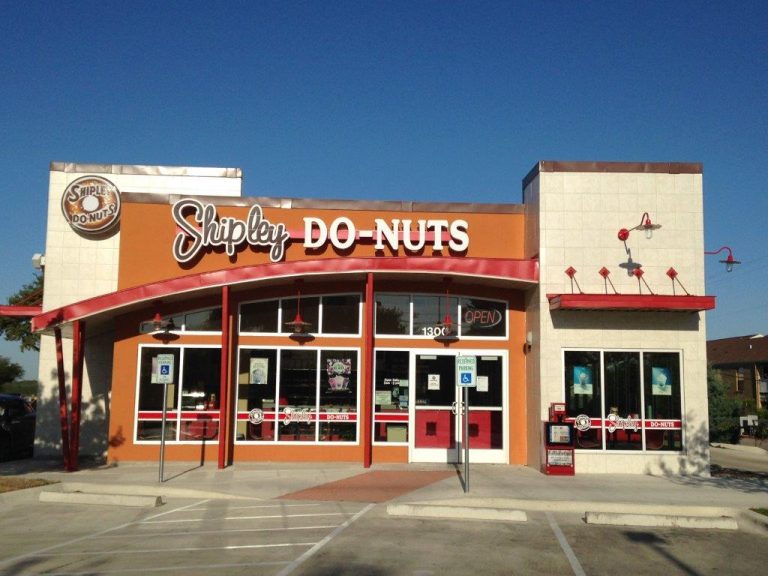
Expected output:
(559, 441)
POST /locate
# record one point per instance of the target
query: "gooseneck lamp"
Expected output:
(729, 261)
(645, 224)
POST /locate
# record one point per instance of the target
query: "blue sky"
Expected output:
(425, 101)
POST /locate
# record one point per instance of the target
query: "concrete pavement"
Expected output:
(489, 484)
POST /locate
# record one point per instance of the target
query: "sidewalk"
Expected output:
(490, 485)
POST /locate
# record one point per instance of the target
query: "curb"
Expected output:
(753, 521)
(741, 448)
(661, 520)
(580, 507)
(102, 499)
(144, 490)
(457, 512)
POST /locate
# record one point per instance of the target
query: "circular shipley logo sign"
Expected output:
(91, 205)
(582, 423)
(256, 416)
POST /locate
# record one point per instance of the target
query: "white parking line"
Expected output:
(574, 562)
(175, 568)
(182, 520)
(185, 549)
(223, 531)
(260, 506)
(42, 551)
(309, 553)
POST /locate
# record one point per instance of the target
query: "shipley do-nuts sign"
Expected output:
(206, 229)
(91, 205)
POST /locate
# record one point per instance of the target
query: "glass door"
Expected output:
(438, 410)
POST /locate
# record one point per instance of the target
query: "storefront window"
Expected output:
(430, 311)
(298, 395)
(257, 382)
(476, 317)
(338, 395)
(259, 316)
(391, 396)
(483, 318)
(641, 407)
(203, 321)
(622, 401)
(192, 409)
(208, 320)
(281, 405)
(309, 313)
(393, 314)
(583, 395)
(341, 315)
(661, 371)
(149, 424)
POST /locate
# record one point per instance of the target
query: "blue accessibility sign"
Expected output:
(466, 371)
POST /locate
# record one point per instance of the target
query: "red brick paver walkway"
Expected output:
(377, 486)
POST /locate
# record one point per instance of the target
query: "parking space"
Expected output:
(312, 538)
(270, 537)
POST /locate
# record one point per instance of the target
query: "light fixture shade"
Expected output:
(298, 325)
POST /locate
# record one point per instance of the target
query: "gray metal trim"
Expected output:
(318, 204)
(140, 170)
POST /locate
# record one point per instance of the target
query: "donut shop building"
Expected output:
(282, 329)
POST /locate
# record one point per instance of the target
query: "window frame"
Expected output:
(643, 417)
(177, 420)
(319, 372)
(281, 319)
(409, 335)
(147, 326)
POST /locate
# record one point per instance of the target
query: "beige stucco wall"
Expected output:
(79, 267)
(579, 216)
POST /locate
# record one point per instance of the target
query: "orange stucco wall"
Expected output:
(147, 233)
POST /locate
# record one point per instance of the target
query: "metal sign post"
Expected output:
(466, 439)
(163, 375)
(162, 430)
(466, 377)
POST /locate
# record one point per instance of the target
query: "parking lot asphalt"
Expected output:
(256, 517)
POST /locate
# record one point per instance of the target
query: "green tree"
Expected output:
(723, 410)
(19, 329)
(9, 371)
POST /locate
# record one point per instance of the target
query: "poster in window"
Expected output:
(661, 381)
(433, 381)
(338, 370)
(259, 371)
(582, 380)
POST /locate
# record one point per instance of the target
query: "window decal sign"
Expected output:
(338, 373)
(582, 380)
(296, 415)
(259, 370)
(482, 318)
(616, 422)
(661, 382)
(91, 205)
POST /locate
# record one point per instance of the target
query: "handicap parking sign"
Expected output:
(466, 371)
(164, 373)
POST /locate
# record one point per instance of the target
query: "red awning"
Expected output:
(20, 311)
(523, 273)
(630, 302)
